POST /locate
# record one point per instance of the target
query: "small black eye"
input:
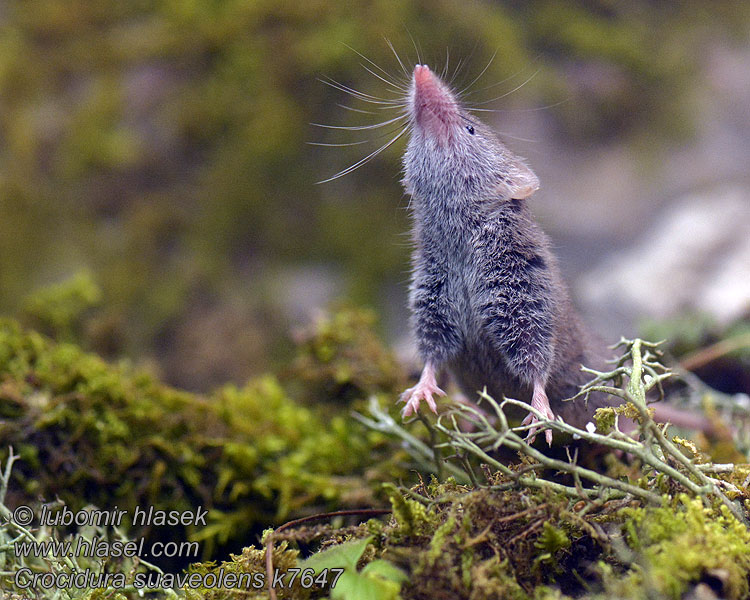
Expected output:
(470, 129)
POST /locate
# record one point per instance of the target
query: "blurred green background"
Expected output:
(157, 194)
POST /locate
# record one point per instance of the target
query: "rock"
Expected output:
(694, 258)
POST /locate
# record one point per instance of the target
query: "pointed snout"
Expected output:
(422, 75)
(433, 105)
(427, 87)
(425, 82)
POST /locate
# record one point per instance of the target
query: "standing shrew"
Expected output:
(487, 300)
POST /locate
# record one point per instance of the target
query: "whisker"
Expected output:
(414, 43)
(361, 127)
(343, 87)
(338, 145)
(360, 95)
(515, 89)
(399, 125)
(473, 81)
(398, 58)
(464, 61)
(511, 110)
(390, 132)
(456, 71)
(515, 137)
(386, 104)
(390, 79)
(393, 85)
(366, 159)
(444, 72)
(375, 138)
(357, 110)
(497, 83)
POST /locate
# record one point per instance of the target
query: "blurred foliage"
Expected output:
(161, 144)
(60, 309)
(341, 360)
(89, 432)
(682, 334)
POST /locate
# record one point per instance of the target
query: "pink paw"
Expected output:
(422, 391)
(541, 403)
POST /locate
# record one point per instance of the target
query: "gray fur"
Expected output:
(487, 299)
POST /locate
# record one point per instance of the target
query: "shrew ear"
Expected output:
(518, 182)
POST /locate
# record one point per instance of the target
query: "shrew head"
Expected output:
(453, 154)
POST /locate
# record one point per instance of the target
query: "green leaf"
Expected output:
(378, 580)
(386, 570)
(356, 586)
(343, 556)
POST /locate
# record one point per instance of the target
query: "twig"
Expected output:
(514, 441)
(707, 355)
(5, 478)
(420, 451)
(634, 374)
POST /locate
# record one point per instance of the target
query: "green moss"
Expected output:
(60, 309)
(551, 541)
(90, 432)
(440, 538)
(680, 543)
(94, 433)
(339, 358)
(480, 544)
(412, 518)
(250, 568)
(605, 419)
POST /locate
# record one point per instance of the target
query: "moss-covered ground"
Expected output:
(87, 433)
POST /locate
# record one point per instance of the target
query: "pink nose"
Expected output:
(422, 75)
